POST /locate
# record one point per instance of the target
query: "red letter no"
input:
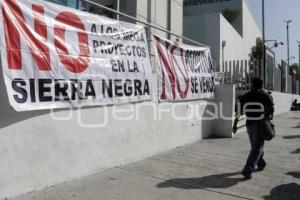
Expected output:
(14, 23)
(73, 64)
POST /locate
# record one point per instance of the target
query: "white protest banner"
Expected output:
(185, 71)
(55, 57)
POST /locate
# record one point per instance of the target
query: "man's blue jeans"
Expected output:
(256, 154)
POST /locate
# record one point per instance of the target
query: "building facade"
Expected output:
(228, 27)
(166, 14)
(43, 148)
(39, 148)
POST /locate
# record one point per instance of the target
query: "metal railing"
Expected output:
(143, 22)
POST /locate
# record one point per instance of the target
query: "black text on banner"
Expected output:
(54, 57)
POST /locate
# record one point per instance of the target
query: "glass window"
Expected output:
(84, 6)
(96, 10)
(69, 3)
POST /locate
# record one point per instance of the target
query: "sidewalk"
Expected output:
(206, 170)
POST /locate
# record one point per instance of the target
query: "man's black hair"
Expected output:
(257, 84)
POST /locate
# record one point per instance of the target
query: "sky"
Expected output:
(276, 11)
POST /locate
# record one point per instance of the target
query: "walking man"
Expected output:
(256, 105)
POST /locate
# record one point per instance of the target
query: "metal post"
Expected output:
(223, 55)
(299, 53)
(286, 78)
(118, 9)
(263, 70)
(169, 18)
(288, 49)
(288, 44)
(295, 86)
(298, 68)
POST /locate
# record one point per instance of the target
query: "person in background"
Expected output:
(295, 105)
(256, 105)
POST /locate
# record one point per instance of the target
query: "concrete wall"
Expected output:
(282, 101)
(238, 47)
(42, 148)
(38, 150)
(251, 29)
(198, 20)
(218, 7)
(225, 94)
(177, 16)
(234, 49)
(289, 84)
(156, 13)
(205, 29)
(278, 78)
(297, 87)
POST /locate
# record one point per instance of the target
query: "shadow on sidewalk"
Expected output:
(212, 181)
(295, 175)
(295, 118)
(290, 137)
(297, 151)
(289, 191)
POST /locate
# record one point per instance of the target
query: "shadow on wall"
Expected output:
(8, 115)
(211, 123)
(225, 180)
(225, 102)
(207, 124)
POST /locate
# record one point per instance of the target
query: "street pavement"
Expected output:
(205, 170)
